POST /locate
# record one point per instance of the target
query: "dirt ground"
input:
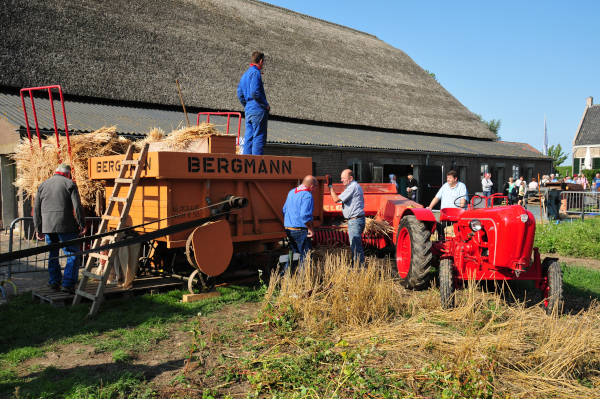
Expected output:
(160, 366)
(576, 262)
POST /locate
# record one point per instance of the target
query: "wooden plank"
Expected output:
(190, 298)
(129, 162)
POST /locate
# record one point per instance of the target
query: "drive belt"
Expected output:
(226, 207)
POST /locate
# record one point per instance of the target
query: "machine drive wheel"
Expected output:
(413, 252)
(198, 282)
(446, 277)
(553, 296)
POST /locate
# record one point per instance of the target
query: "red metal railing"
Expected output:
(35, 120)
(229, 115)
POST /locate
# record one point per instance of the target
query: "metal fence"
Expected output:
(21, 235)
(580, 203)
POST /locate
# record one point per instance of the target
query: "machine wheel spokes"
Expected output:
(199, 282)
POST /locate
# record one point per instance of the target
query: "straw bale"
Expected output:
(35, 164)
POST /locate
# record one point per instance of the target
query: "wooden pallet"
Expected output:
(140, 285)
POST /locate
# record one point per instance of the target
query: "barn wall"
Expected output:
(333, 161)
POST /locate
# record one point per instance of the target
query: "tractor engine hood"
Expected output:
(508, 232)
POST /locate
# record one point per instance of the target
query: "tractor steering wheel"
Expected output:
(475, 201)
(458, 199)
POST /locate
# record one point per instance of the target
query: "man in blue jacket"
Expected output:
(251, 93)
(298, 216)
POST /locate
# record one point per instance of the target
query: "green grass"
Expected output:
(136, 322)
(80, 383)
(298, 366)
(121, 356)
(123, 327)
(570, 238)
(581, 281)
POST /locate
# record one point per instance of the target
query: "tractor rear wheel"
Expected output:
(413, 252)
(446, 277)
(553, 296)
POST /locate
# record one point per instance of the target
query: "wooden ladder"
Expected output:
(120, 182)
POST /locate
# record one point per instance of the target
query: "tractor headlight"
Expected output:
(524, 218)
(475, 225)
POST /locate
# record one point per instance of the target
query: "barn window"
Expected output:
(378, 174)
(356, 168)
(484, 169)
(515, 171)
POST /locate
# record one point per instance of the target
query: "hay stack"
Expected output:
(378, 227)
(184, 139)
(491, 340)
(375, 227)
(155, 135)
(35, 164)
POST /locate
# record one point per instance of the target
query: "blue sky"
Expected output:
(508, 60)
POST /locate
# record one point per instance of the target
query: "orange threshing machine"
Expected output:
(179, 186)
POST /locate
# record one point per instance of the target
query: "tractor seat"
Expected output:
(450, 214)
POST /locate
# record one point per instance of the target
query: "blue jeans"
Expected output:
(488, 193)
(256, 133)
(73, 262)
(300, 243)
(355, 229)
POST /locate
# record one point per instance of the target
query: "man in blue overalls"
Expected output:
(251, 93)
(298, 218)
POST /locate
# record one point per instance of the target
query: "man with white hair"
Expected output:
(58, 217)
(298, 217)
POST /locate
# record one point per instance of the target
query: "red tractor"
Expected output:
(485, 242)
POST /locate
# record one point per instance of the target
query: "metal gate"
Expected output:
(21, 235)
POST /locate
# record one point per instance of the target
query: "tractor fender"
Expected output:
(422, 214)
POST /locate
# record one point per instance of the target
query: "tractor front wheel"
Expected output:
(413, 252)
(446, 277)
(553, 295)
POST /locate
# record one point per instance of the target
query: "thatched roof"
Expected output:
(589, 130)
(134, 50)
(86, 117)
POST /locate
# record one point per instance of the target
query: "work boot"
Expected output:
(54, 286)
(69, 289)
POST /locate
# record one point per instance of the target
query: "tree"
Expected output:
(493, 125)
(557, 154)
(431, 74)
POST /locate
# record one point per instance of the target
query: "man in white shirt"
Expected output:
(450, 192)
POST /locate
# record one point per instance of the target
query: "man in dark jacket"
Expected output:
(58, 216)
(411, 187)
(251, 93)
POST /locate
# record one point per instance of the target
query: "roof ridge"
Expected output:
(288, 11)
